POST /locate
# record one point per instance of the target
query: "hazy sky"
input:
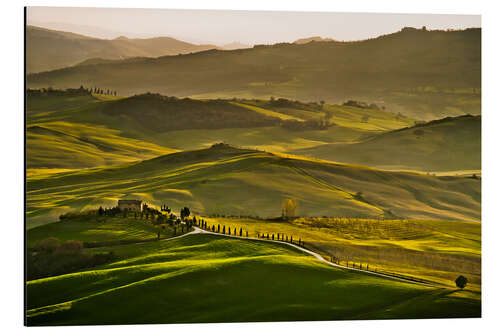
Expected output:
(249, 27)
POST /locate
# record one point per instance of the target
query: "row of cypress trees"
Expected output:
(235, 232)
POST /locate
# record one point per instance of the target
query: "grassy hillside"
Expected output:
(436, 251)
(92, 229)
(423, 74)
(50, 49)
(443, 145)
(260, 282)
(67, 145)
(74, 131)
(230, 181)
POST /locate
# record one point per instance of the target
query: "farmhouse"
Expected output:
(134, 205)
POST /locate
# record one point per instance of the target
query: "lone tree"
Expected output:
(288, 208)
(461, 282)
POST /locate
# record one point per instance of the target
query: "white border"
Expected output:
(12, 161)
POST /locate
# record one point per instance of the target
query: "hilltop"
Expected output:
(423, 74)
(452, 143)
(226, 180)
(51, 49)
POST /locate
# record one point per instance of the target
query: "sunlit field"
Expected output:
(207, 278)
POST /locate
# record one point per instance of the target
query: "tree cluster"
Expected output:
(361, 105)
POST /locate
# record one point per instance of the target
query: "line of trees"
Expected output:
(281, 237)
(234, 231)
(101, 91)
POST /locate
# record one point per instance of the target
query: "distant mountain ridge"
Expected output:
(422, 74)
(51, 49)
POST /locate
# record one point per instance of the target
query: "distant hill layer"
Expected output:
(446, 144)
(423, 74)
(76, 129)
(161, 113)
(50, 49)
(229, 181)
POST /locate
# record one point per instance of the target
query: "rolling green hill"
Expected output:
(207, 278)
(436, 251)
(66, 145)
(230, 181)
(50, 49)
(443, 145)
(423, 74)
(68, 130)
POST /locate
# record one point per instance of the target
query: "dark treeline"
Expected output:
(51, 257)
(363, 105)
(164, 113)
(59, 92)
(82, 91)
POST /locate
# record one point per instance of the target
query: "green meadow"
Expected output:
(436, 251)
(95, 229)
(209, 278)
(451, 144)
